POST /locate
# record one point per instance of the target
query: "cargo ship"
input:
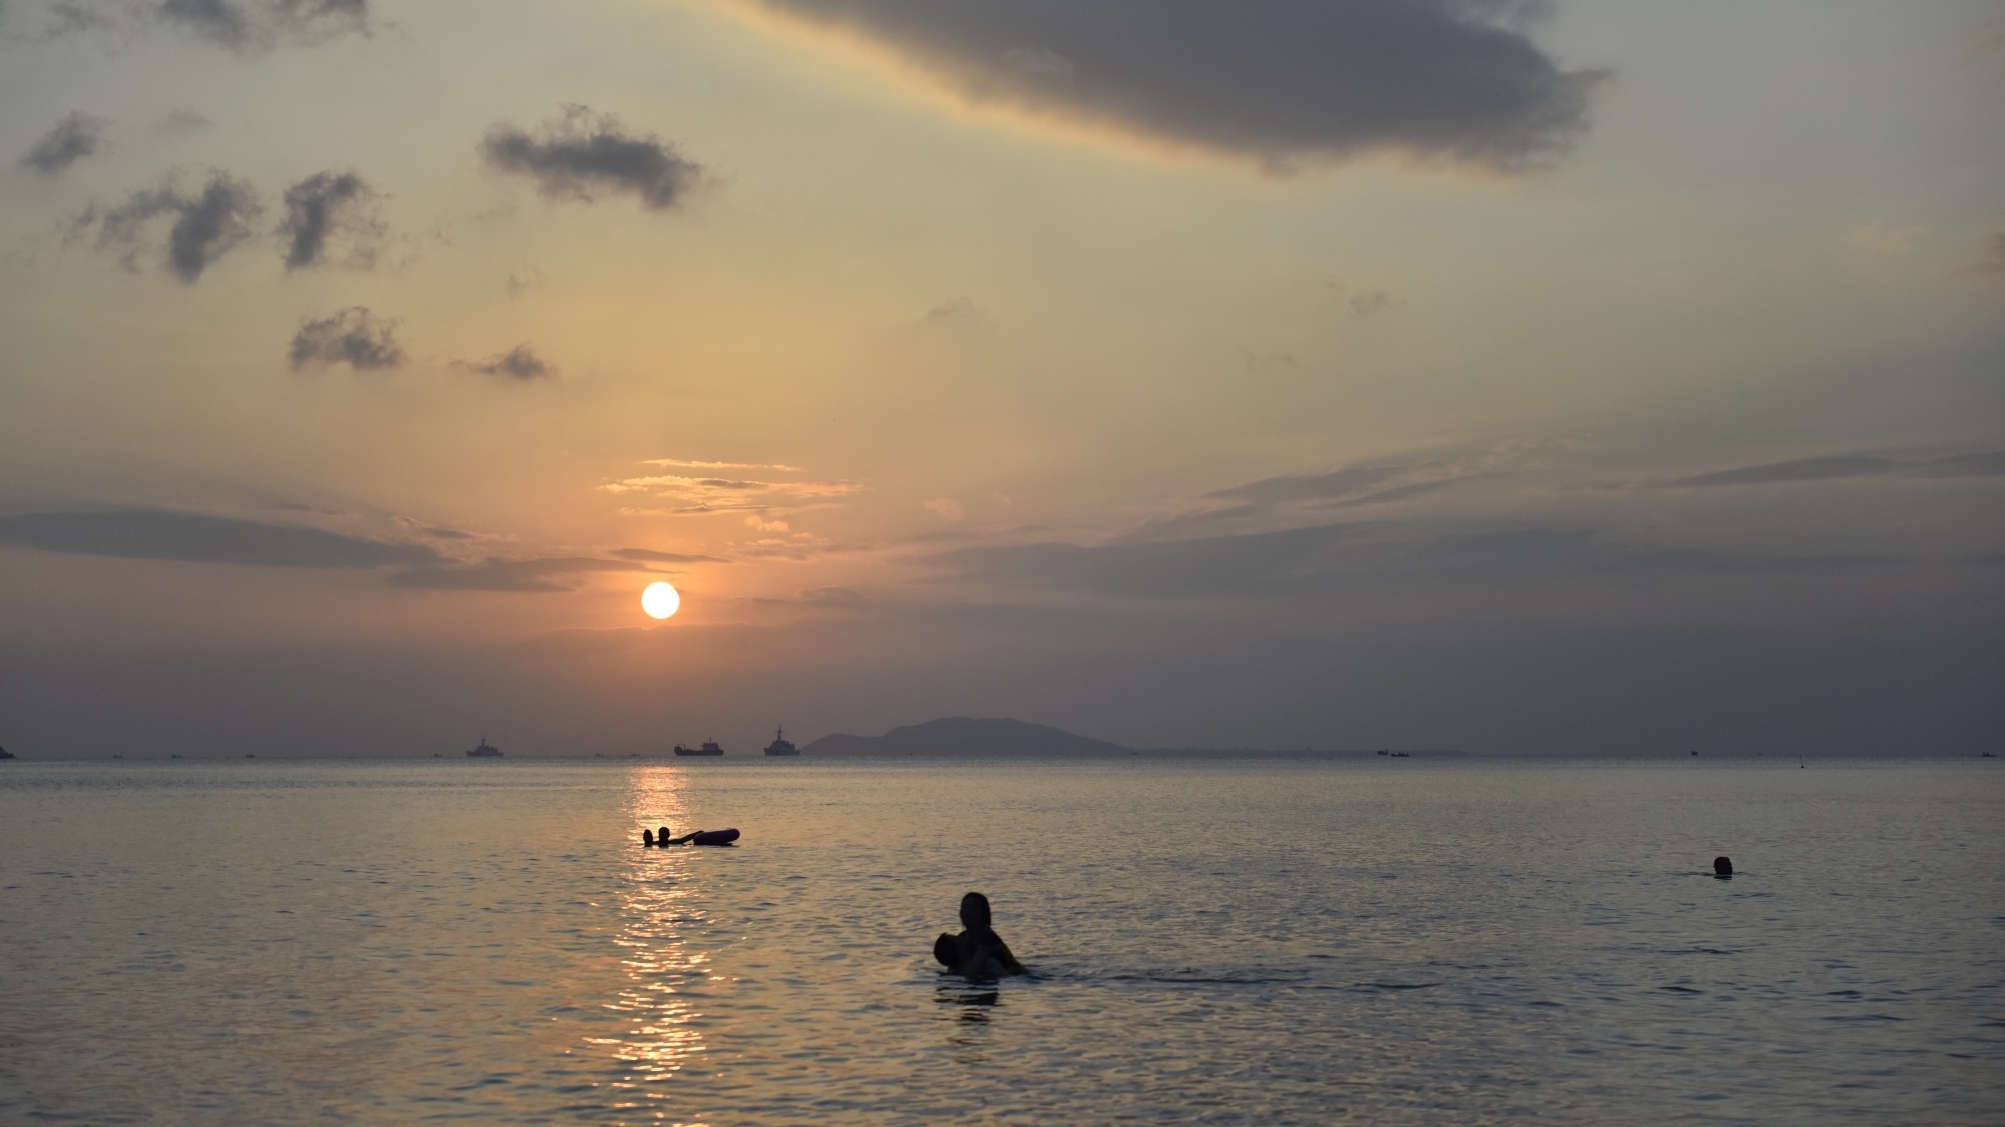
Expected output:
(709, 748)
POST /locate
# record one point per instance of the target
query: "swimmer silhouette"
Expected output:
(646, 838)
(977, 953)
(1722, 868)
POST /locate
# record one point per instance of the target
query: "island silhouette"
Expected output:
(962, 736)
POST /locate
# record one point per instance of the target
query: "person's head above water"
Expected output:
(974, 910)
(1722, 867)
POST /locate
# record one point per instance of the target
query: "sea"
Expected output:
(1212, 940)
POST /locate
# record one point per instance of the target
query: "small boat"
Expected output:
(484, 751)
(709, 748)
(781, 745)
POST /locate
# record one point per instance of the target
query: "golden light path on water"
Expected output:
(658, 908)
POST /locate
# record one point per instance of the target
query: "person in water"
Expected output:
(978, 952)
(650, 837)
(1722, 867)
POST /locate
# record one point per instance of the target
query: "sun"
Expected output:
(660, 600)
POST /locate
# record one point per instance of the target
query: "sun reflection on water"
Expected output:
(664, 972)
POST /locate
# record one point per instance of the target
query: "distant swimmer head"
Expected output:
(1722, 867)
(974, 910)
(647, 837)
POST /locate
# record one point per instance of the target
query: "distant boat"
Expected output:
(484, 751)
(781, 745)
(709, 748)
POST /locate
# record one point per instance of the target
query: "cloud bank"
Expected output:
(67, 142)
(206, 224)
(161, 534)
(584, 153)
(1275, 80)
(354, 336)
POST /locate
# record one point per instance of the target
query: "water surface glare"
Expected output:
(1265, 942)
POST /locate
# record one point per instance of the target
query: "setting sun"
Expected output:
(660, 600)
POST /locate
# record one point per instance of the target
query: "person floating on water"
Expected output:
(978, 952)
(700, 837)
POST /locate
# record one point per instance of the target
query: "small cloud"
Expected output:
(331, 208)
(761, 524)
(833, 597)
(354, 336)
(182, 121)
(945, 507)
(1989, 265)
(585, 152)
(67, 142)
(1372, 302)
(1885, 240)
(206, 224)
(1269, 363)
(518, 363)
(519, 284)
(955, 314)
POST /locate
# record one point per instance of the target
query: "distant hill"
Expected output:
(959, 735)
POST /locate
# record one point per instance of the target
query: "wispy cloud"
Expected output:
(160, 534)
(649, 555)
(557, 573)
(255, 25)
(1838, 467)
(690, 493)
(1277, 82)
(205, 224)
(67, 142)
(584, 153)
(691, 464)
(354, 336)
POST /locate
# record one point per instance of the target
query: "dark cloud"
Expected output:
(583, 153)
(354, 336)
(1355, 558)
(159, 534)
(649, 555)
(531, 575)
(326, 209)
(239, 25)
(207, 224)
(1276, 81)
(67, 142)
(518, 363)
(1986, 463)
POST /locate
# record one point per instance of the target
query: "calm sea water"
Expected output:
(1267, 942)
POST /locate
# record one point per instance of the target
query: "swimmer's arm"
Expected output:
(683, 840)
(1008, 960)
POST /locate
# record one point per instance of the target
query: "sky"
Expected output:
(1623, 378)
